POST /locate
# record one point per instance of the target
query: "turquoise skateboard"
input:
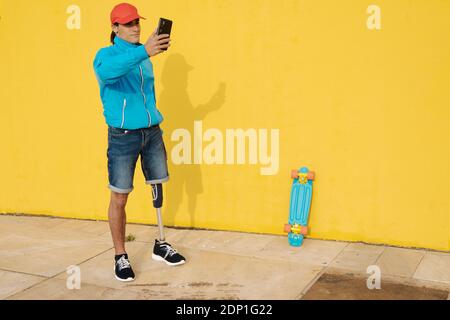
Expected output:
(299, 207)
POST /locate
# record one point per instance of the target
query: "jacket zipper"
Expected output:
(145, 99)
(123, 112)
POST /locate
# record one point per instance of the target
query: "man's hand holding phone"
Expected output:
(156, 44)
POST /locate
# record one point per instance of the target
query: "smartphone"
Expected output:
(164, 27)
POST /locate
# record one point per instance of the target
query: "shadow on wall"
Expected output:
(179, 112)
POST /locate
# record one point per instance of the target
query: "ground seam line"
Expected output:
(21, 272)
(84, 261)
(314, 280)
(49, 278)
(415, 270)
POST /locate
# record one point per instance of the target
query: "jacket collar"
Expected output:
(124, 44)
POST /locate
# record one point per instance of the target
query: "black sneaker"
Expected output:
(162, 251)
(122, 268)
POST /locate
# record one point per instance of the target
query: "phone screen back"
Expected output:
(164, 26)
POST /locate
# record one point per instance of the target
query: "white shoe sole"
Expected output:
(123, 280)
(159, 258)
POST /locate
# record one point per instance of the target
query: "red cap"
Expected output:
(124, 13)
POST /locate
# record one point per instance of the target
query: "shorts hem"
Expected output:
(157, 180)
(119, 190)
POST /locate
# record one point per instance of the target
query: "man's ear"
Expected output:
(115, 28)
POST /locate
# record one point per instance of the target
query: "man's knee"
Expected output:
(119, 199)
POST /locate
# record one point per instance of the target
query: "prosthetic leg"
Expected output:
(162, 250)
(157, 193)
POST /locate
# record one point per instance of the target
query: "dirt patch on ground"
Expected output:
(354, 287)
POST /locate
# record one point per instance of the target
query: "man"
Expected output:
(125, 76)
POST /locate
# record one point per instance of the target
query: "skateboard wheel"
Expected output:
(294, 174)
(287, 228)
(311, 175)
(295, 240)
(304, 230)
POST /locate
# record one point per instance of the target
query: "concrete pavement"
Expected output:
(35, 253)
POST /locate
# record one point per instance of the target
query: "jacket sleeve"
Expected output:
(110, 68)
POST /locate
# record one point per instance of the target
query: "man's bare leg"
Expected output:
(117, 220)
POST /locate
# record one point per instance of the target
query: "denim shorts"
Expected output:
(124, 148)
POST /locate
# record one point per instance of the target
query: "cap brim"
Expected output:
(129, 19)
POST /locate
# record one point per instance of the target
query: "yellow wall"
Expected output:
(368, 110)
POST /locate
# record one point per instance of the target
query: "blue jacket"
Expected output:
(125, 75)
